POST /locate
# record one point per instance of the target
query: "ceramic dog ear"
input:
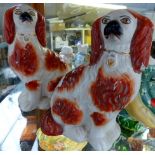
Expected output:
(140, 47)
(97, 43)
(9, 26)
(41, 29)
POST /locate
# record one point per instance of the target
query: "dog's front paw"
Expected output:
(76, 133)
(99, 144)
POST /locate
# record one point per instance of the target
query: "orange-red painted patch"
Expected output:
(72, 79)
(53, 62)
(41, 29)
(111, 93)
(49, 126)
(153, 102)
(9, 25)
(98, 118)
(97, 42)
(32, 85)
(68, 111)
(141, 42)
(24, 59)
(52, 84)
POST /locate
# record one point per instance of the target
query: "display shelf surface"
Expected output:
(77, 29)
(11, 120)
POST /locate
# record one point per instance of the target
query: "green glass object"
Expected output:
(147, 90)
(121, 144)
(128, 124)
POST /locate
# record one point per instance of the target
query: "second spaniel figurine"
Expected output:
(87, 100)
(39, 68)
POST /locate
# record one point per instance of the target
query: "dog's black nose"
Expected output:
(25, 16)
(113, 27)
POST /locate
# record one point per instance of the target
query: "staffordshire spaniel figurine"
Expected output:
(38, 68)
(87, 100)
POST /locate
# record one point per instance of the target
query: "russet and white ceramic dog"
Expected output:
(87, 100)
(39, 68)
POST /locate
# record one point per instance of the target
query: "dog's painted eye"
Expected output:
(18, 11)
(32, 13)
(125, 20)
(105, 20)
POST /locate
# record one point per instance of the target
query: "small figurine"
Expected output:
(87, 100)
(39, 68)
(82, 56)
(67, 55)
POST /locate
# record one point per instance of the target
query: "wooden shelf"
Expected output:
(77, 29)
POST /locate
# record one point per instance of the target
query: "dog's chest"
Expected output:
(111, 93)
(25, 38)
(24, 58)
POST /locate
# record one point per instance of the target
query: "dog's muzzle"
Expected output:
(113, 28)
(25, 16)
